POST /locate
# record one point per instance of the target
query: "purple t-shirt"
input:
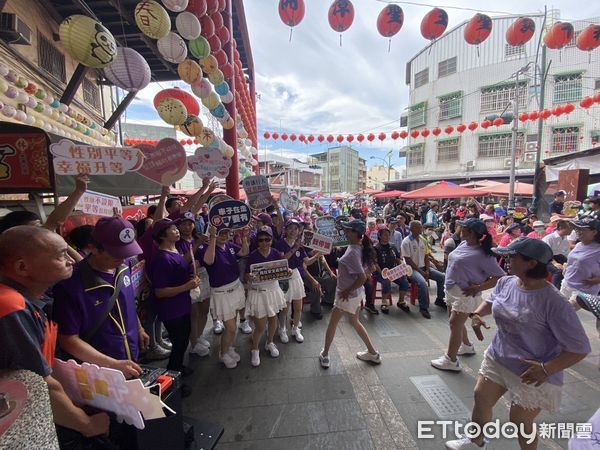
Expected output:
(171, 270)
(349, 266)
(76, 310)
(148, 246)
(296, 261)
(469, 264)
(536, 325)
(183, 246)
(582, 263)
(225, 269)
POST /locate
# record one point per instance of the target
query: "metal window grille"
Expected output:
(422, 77)
(448, 150)
(513, 51)
(91, 93)
(450, 106)
(417, 115)
(497, 145)
(447, 67)
(568, 88)
(416, 155)
(573, 42)
(51, 59)
(565, 140)
(498, 97)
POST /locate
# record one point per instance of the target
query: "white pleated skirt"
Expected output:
(227, 300)
(296, 289)
(265, 300)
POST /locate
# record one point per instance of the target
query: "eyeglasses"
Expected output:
(264, 240)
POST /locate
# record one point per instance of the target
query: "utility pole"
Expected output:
(537, 181)
(515, 135)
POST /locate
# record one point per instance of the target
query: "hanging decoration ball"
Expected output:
(390, 20)
(425, 132)
(11, 92)
(498, 121)
(188, 25)
(129, 71)
(350, 138)
(31, 102)
(340, 138)
(276, 136)
(589, 38)
(30, 120)
(222, 88)
(211, 101)
(569, 108)
(330, 138)
(218, 111)
(87, 41)
(293, 138)
(9, 111)
(40, 94)
(22, 97)
(21, 116)
(370, 137)
(188, 100)
(434, 24)
(586, 102)
(395, 135)
(192, 126)
(403, 134)
(11, 76)
(461, 128)
(3, 85)
(152, 19)
(217, 19)
(415, 134)
(229, 124)
(310, 138)
(212, 6)
(267, 135)
(209, 64)
(227, 70)
(534, 115)
(546, 114)
(221, 57)
(558, 110)
(520, 31)
(189, 71)
(559, 35)
(202, 88)
(523, 117)
(382, 137)
(197, 7)
(227, 98)
(175, 5)
(21, 83)
(172, 111)
(172, 47)
(208, 26)
(216, 77)
(215, 43)
(228, 152)
(199, 47)
(449, 129)
(291, 13)
(31, 88)
(478, 29)
(436, 131)
(55, 103)
(3, 70)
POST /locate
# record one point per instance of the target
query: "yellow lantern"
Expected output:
(228, 124)
(216, 77)
(87, 41)
(189, 71)
(192, 126)
(152, 19)
(212, 101)
(209, 64)
(172, 111)
(207, 137)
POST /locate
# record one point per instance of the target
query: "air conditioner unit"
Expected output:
(508, 163)
(531, 147)
(13, 30)
(470, 166)
(529, 156)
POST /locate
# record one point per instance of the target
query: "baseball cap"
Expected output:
(391, 220)
(587, 222)
(180, 216)
(473, 224)
(511, 227)
(162, 225)
(355, 225)
(264, 218)
(531, 248)
(117, 237)
(559, 193)
(589, 302)
(538, 223)
(485, 217)
(265, 230)
(292, 222)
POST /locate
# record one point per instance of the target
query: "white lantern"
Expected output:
(21, 116)
(22, 98)
(227, 98)
(63, 108)
(129, 71)
(175, 5)
(29, 120)
(172, 48)
(188, 25)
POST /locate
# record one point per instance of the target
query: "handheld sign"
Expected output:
(317, 242)
(271, 270)
(307, 238)
(396, 272)
(289, 201)
(257, 191)
(99, 204)
(231, 214)
(218, 199)
(328, 226)
(165, 162)
(209, 162)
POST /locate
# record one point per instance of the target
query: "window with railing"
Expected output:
(91, 93)
(51, 59)
(415, 155)
(448, 150)
(417, 115)
(422, 77)
(496, 98)
(447, 67)
(450, 106)
(513, 51)
(568, 87)
(565, 140)
(497, 145)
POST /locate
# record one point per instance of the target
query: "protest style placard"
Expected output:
(328, 226)
(289, 201)
(209, 162)
(232, 214)
(99, 204)
(165, 162)
(271, 270)
(218, 199)
(257, 191)
(318, 242)
(396, 272)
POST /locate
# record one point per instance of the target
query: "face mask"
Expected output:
(586, 206)
(539, 230)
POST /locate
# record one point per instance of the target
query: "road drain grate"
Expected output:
(441, 398)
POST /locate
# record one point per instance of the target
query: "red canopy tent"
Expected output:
(389, 194)
(521, 189)
(442, 189)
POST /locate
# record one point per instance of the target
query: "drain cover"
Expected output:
(441, 398)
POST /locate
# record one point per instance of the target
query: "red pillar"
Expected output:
(254, 136)
(232, 181)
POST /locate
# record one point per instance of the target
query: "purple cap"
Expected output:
(265, 230)
(292, 222)
(180, 216)
(473, 224)
(264, 218)
(532, 248)
(161, 225)
(117, 237)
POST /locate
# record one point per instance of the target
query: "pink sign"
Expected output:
(209, 162)
(164, 162)
(396, 272)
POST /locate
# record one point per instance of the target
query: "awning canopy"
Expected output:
(442, 189)
(503, 189)
(389, 194)
(586, 159)
(477, 184)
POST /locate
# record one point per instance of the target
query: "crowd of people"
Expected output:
(194, 270)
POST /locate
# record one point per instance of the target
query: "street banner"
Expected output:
(329, 227)
(232, 214)
(209, 162)
(24, 163)
(271, 270)
(397, 272)
(257, 191)
(165, 163)
(99, 204)
(289, 201)
(318, 242)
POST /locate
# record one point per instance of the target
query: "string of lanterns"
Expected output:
(558, 110)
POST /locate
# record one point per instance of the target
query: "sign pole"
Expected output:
(232, 181)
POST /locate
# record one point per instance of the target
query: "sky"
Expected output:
(312, 85)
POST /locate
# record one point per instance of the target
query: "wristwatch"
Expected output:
(471, 315)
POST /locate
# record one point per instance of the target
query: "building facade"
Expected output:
(454, 83)
(290, 174)
(378, 175)
(343, 169)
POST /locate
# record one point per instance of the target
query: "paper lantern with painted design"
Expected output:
(152, 19)
(129, 70)
(341, 15)
(390, 20)
(202, 88)
(222, 88)
(188, 100)
(217, 19)
(211, 100)
(291, 12)
(189, 71)
(216, 77)
(172, 47)
(197, 7)
(87, 41)
(520, 31)
(224, 35)
(559, 35)
(208, 27)
(209, 64)
(478, 29)
(215, 43)
(175, 5)
(192, 126)
(227, 98)
(199, 47)
(434, 24)
(589, 38)
(172, 111)
(188, 25)
(212, 6)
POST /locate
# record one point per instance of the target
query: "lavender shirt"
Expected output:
(170, 270)
(583, 263)
(349, 266)
(225, 269)
(536, 325)
(296, 261)
(469, 264)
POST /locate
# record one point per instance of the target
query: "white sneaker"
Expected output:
(200, 350)
(229, 362)
(466, 350)
(272, 349)
(445, 363)
(283, 336)
(245, 327)
(366, 356)
(203, 341)
(464, 444)
(297, 334)
(255, 360)
(292, 323)
(218, 327)
(234, 355)
(324, 360)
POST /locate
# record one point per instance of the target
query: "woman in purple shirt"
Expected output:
(472, 269)
(265, 299)
(539, 335)
(583, 263)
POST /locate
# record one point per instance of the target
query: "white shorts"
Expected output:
(547, 396)
(204, 289)
(352, 304)
(265, 300)
(568, 292)
(296, 289)
(460, 302)
(227, 300)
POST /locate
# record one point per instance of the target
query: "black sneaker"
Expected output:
(385, 309)
(425, 314)
(403, 306)
(371, 309)
(441, 303)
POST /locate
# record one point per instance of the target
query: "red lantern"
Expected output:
(534, 115)
(284, 136)
(182, 141)
(360, 138)
(461, 128)
(302, 138)
(330, 139)
(227, 70)
(434, 24)
(276, 135)
(197, 7)
(478, 29)
(222, 5)
(217, 19)
(597, 97)
(569, 108)
(523, 117)
(559, 35)
(293, 137)
(414, 134)
(207, 26)
(195, 141)
(520, 32)
(212, 6)
(558, 110)
(498, 121)
(449, 129)
(291, 13)
(224, 35)
(486, 124)
(436, 131)
(221, 57)
(341, 15)
(545, 114)
(311, 138)
(370, 137)
(215, 43)
(586, 102)
(321, 138)
(473, 126)
(267, 135)
(403, 134)
(390, 20)
(350, 138)
(187, 99)
(424, 132)
(589, 38)
(381, 137)
(340, 138)
(395, 135)
(189, 142)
